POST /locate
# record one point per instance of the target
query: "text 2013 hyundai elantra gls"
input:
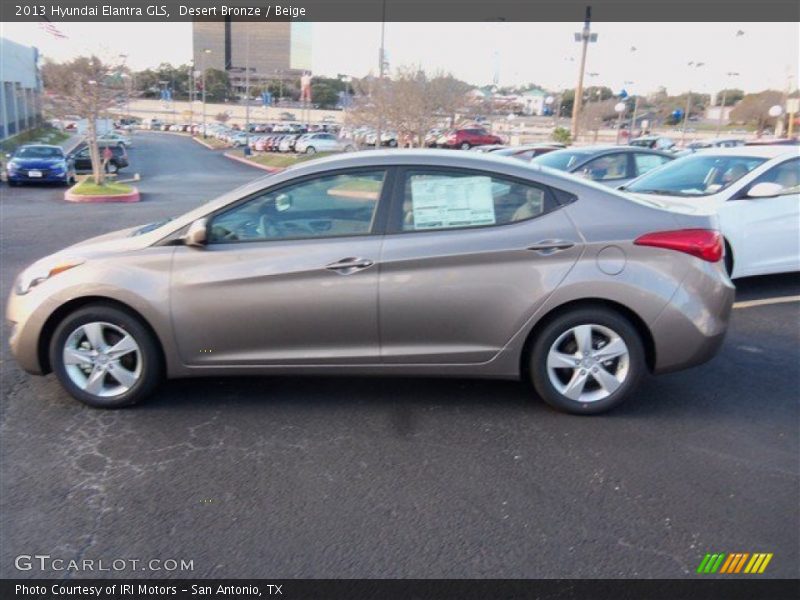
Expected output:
(386, 263)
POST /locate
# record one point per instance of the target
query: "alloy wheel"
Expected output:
(102, 359)
(588, 363)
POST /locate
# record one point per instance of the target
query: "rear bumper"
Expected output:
(691, 328)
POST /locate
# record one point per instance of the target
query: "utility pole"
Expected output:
(247, 94)
(381, 64)
(696, 65)
(722, 104)
(205, 52)
(585, 37)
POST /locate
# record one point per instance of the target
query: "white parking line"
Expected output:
(766, 301)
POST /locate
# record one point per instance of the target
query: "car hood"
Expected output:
(36, 163)
(108, 243)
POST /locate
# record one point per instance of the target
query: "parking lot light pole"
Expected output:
(696, 65)
(730, 75)
(585, 37)
(381, 64)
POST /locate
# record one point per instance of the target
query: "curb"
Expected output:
(133, 196)
(250, 163)
(199, 141)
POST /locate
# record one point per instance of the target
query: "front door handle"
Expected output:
(546, 247)
(349, 265)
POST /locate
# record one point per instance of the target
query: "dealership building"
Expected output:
(20, 88)
(271, 50)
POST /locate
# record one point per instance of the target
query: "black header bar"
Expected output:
(733, 588)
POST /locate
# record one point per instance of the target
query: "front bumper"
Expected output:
(48, 176)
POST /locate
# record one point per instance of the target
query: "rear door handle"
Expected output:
(546, 247)
(349, 265)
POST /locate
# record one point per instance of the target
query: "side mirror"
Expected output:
(196, 235)
(765, 189)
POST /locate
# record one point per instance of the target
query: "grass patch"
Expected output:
(213, 142)
(281, 161)
(87, 187)
(40, 135)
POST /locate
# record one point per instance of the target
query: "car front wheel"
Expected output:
(105, 357)
(465, 146)
(587, 361)
(311, 150)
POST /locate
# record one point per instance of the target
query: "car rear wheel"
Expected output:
(587, 361)
(105, 357)
(465, 146)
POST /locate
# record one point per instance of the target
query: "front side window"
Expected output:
(610, 166)
(447, 199)
(331, 206)
(786, 175)
(696, 175)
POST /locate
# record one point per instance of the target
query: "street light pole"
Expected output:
(696, 65)
(381, 61)
(247, 94)
(205, 52)
(585, 37)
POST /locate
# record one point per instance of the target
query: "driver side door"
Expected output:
(764, 233)
(288, 276)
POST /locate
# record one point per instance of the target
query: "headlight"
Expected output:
(59, 166)
(42, 271)
(12, 166)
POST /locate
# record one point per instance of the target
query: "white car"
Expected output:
(755, 190)
(112, 137)
(322, 142)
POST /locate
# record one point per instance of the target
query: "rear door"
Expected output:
(468, 258)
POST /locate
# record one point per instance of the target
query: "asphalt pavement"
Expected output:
(359, 477)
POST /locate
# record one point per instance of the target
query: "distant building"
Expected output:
(20, 88)
(271, 50)
(533, 101)
(712, 114)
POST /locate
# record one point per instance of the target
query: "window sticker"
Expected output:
(439, 202)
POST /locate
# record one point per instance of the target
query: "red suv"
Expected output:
(467, 138)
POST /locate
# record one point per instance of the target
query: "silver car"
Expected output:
(386, 263)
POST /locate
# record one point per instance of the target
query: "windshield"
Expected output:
(38, 152)
(697, 175)
(563, 160)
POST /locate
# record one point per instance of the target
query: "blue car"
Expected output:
(40, 163)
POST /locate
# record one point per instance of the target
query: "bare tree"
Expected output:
(754, 108)
(86, 87)
(594, 114)
(411, 102)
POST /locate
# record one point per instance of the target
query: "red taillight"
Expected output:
(702, 243)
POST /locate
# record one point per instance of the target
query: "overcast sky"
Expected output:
(765, 56)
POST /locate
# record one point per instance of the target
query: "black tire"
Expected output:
(311, 150)
(150, 353)
(465, 146)
(728, 259)
(563, 323)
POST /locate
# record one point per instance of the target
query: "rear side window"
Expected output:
(436, 200)
(647, 162)
(609, 166)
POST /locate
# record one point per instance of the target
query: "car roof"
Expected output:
(40, 146)
(608, 148)
(755, 151)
